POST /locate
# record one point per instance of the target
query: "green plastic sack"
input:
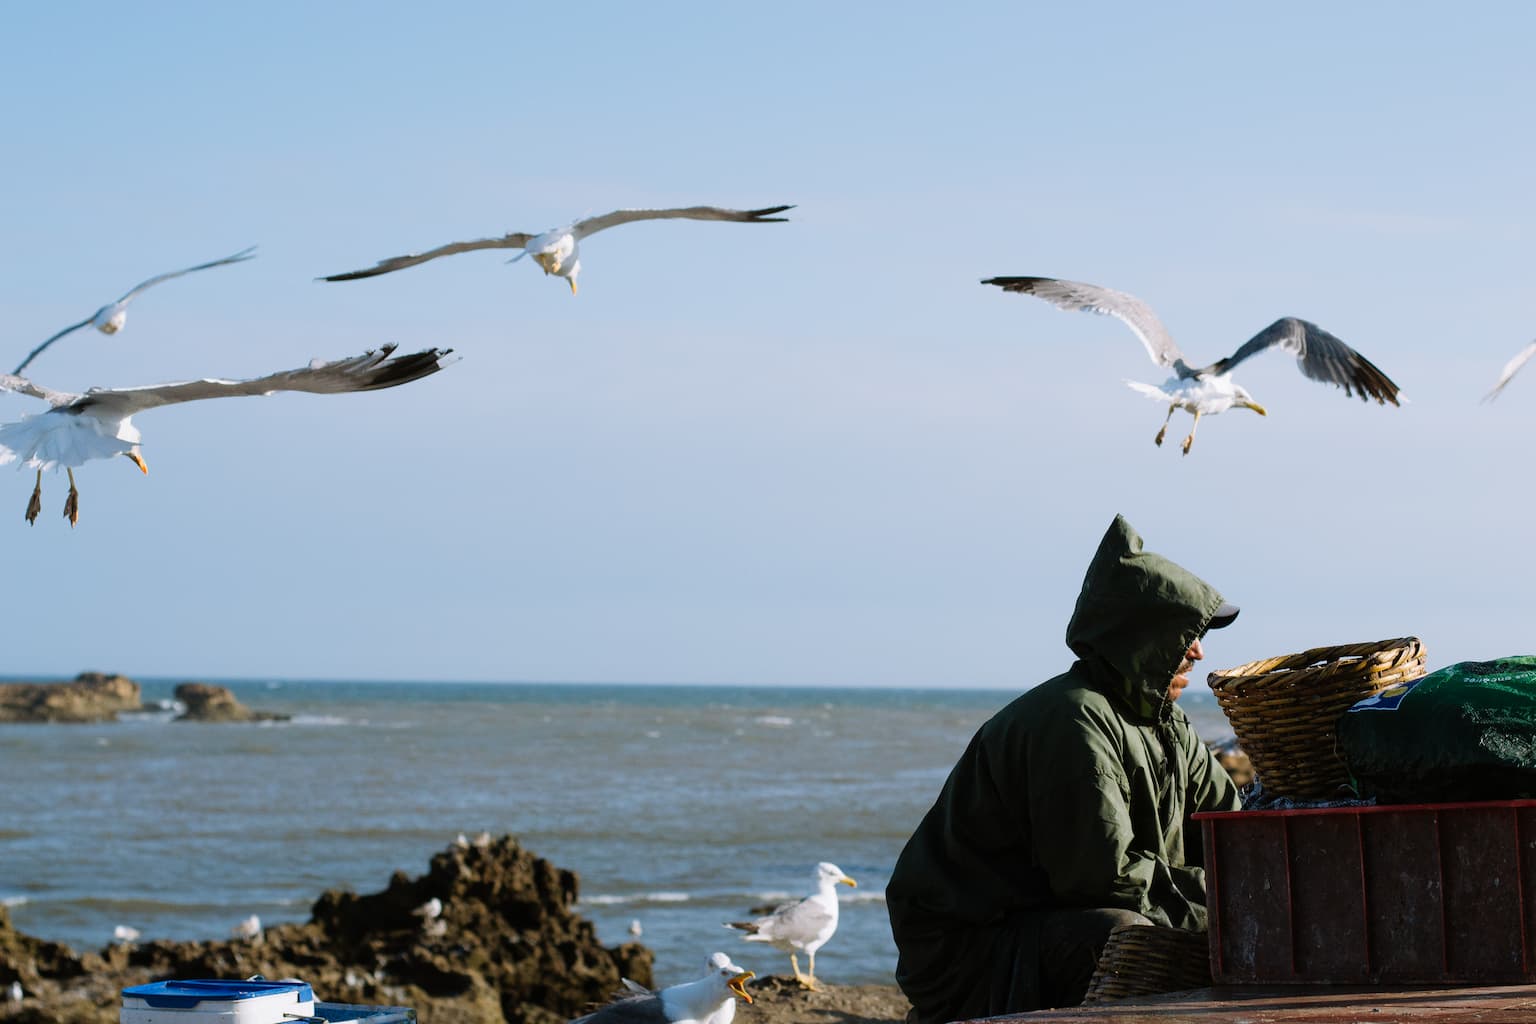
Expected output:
(1465, 732)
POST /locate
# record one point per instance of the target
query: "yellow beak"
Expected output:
(845, 880)
(738, 984)
(1256, 407)
(138, 462)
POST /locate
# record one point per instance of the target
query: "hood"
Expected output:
(1136, 616)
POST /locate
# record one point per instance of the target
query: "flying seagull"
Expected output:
(109, 319)
(803, 924)
(709, 1000)
(1510, 369)
(1210, 389)
(98, 424)
(556, 249)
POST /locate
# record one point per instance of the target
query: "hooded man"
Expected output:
(1065, 817)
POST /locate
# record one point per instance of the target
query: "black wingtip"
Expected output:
(1015, 284)
(762, 216)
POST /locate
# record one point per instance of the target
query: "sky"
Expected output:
(810, 453)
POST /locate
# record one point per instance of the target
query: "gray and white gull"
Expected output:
(99, 424)
(109, 319)
(803, 925)
(1208, 390)
(557, 251)
(709, 1000)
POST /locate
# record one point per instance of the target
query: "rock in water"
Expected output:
(208, 703)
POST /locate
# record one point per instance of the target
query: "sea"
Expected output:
(679, 807)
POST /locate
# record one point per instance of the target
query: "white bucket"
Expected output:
(217, 1002)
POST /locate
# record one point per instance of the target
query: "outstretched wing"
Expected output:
(1510, 369)
(592, 225)
(368, 372)
(239, 257)
(512, 240)
(23, 386)
(39, 350)
(1320, 355)
(1090, 298)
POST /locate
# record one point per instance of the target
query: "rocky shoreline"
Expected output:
(101, 696)
(486, 936)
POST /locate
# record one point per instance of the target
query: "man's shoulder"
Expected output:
(1066, 698)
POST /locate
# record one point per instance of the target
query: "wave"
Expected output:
(13, 901)
(777, 721)
(611, 899)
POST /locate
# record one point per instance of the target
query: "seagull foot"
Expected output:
(1158, 440)
(34, 506)
(72, 507)
(808, 982)
(1187, 442)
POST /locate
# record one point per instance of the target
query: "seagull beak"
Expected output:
(137, 461)
(738, 984)
(572, 282)
(1256, 407)
(845, 880)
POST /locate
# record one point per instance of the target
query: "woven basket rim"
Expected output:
(1343, 661)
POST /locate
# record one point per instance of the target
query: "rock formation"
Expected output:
(205, 702)
(90, 697)
(506, 948)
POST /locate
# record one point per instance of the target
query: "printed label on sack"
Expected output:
(1388, 699)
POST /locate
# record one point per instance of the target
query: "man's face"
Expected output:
(1181, 677)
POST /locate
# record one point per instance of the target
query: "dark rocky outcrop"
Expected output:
(205, 702)
(89, 697)
(506, 949)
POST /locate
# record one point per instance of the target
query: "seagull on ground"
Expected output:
(709, 1000)
(99, 425)
(1209, 390)
(556, 249)
(803, 924)
(125, 934)
(250, 928)
(109, 319)
(1510, 369)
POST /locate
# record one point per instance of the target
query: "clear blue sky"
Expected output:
(813, 453)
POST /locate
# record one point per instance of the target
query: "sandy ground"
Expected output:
(781, 1000)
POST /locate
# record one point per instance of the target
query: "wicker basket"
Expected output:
(1285, 710)
(1143, 960)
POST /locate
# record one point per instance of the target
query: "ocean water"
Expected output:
(680, 807)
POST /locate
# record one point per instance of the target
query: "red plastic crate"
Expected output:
(1366, 895)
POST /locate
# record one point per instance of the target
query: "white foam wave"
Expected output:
(862, 896)
(322, 720)
(609, 899)
(777, 721)
(13, 901)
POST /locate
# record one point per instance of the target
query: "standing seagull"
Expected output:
(802, 925)
(556, 249)
(709, 1000)
(109, 319)
(1210, 390)
(98, 424)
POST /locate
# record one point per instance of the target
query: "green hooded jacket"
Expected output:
(1075, 795)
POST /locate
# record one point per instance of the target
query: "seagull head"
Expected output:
(828, 873)
(1243, 400)
(555, 252)
(735, 979)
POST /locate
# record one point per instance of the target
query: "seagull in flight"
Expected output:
(556, 249)
(802, 924)
(709, 1000)
(98, 424)
(1510, 369)
(109, 319)
(1209, 390)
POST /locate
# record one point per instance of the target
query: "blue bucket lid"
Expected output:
(186, 994)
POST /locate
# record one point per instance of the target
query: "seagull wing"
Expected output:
(239, 257)
(23, 386)
(1320, 355)
(513, 240)
(39, 350)
(630, 1008)
(1510, 369)
(1090, 298)
(581, 229)
(368, 372)
(801, 921)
